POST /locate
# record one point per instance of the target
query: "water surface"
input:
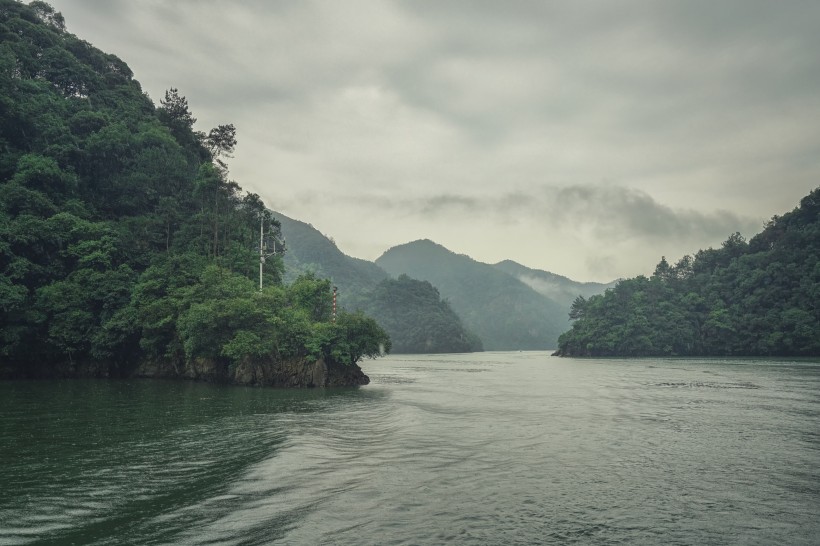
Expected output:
(492, 448)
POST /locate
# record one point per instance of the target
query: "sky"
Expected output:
(587, 138)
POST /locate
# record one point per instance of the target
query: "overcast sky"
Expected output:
(586, 138)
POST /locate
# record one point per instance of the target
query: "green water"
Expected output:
(494, 448)
(85, 461)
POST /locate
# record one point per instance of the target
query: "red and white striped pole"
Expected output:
(334, 303)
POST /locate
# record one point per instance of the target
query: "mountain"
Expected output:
(308, 250)
(418, 320)
(558, 288)
(411, 311)
(755, 298)
(503, 311)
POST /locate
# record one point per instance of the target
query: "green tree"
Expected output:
(755, 298)
(121, 237)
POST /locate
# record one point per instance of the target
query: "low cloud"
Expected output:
(585, 232)
(614, 212)
(605, 212)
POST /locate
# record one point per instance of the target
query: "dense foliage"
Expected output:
(121, 236)
(418, 320)
(760, 297)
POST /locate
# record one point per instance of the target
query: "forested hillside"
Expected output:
(760, 297)
(122, 238)
(504, 312)
(417, 319)
(412, 312)
(312, 252)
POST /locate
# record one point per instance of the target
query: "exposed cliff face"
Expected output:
(289, 373)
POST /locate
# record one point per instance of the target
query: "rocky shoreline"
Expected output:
(292, 373)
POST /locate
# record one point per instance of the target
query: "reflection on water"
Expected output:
(470, 449)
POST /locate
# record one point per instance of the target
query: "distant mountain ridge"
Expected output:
(412, 312)
(311, 251)
(556, 287)
(507, 305)
(505, 312)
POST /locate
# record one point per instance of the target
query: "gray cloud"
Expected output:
(604, 266)
(612, 231)
(609, 212)
(615, 212)
(574, 127)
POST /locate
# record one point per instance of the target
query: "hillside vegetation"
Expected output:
(309, 251)
(760, 297)
(412, 312)
(122, 239)
(504, 313)
(418, 320)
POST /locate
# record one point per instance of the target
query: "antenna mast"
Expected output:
(263, 247)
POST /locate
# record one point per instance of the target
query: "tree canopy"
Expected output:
(760, 297)
(122, 236)
(418, 319)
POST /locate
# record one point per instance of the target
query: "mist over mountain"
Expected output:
(505, 312)
(558, 288)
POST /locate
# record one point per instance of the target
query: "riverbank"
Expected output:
(288, 373)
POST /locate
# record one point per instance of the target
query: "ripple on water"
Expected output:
(705, 385)
(531, 450)
(390, 379)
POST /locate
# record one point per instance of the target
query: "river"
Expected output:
(489, 448)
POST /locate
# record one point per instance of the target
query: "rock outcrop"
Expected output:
(296, 372)
(301, 372)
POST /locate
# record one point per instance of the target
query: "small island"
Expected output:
(127, 250)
